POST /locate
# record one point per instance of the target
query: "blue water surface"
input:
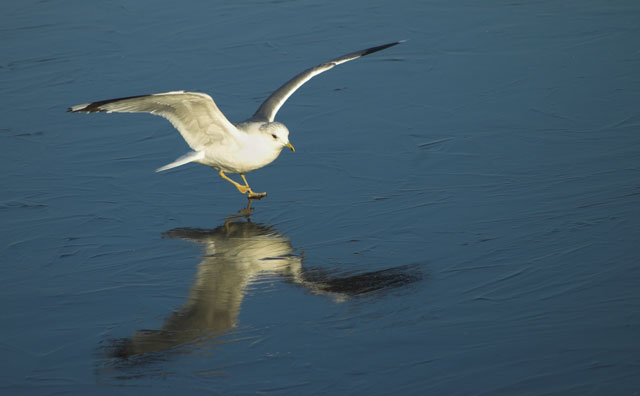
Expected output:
(461, 214)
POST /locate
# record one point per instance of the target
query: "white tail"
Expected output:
(193, 156)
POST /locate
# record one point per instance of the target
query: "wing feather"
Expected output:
(195, 115)
(267, 111)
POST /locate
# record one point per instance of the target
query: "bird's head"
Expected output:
(277, 134)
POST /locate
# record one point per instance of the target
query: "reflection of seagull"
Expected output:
(236, 254)
(216, 142)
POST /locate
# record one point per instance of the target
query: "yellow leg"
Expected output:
(240, 187)
(252, 195)
(243, 189)
(244, 179)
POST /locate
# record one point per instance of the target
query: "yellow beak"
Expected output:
(290, 146)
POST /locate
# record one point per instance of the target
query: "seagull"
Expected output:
(215, 141)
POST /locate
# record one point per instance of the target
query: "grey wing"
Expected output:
(195, 115)
(267, 111)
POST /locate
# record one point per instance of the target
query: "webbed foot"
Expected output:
(253, 195)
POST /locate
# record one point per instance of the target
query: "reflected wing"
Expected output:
(267, 111)
(195, 115)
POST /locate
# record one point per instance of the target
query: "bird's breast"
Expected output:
(243, 160)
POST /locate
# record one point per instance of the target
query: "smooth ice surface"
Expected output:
(461, 214)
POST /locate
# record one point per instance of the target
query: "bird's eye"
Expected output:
(274, 136)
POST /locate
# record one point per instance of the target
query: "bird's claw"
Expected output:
(252, 195)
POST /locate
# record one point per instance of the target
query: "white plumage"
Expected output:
(215, 141)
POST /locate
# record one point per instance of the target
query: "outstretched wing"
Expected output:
(267, 111)
(195, 115)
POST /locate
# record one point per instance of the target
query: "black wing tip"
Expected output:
(380, 47)
(96, 107)
(87, 108)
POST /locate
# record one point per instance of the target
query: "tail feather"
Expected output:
(193, 156)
